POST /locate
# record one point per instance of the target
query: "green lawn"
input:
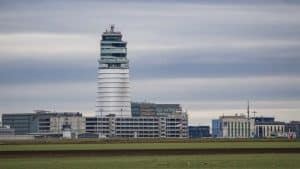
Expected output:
(39, 147)
(254, 161)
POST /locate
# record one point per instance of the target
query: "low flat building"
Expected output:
(44, 122)
(6, 131)
(172, 126)
(199, 131)
(270, 129)
(22, 123)
(293, 128)
(266, 127)
(239, 126)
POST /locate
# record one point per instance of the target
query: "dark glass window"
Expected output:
(119, 54)
(114, 44)
(111, 38)
(119, 44)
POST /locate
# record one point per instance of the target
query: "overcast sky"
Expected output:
(211, 57)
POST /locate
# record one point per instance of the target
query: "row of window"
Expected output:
(133, 119)
(114, 44)
(136, 128)
(111, 38)
(139, 132)
(114, 54)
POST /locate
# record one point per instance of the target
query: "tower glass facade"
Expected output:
(113, 95)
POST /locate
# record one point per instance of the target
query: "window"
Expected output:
(111, 38)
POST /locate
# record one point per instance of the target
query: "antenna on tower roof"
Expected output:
(112, 27)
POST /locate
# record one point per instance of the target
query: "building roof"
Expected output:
(270, 123)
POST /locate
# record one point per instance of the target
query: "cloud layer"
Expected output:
(210, 56)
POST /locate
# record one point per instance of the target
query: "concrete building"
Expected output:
(173, 126)
(113, 96)
(266, 127)
(152, 109)
(238, 126)
(199, 131)
(44, 122)
(6, 131)
(270, 129)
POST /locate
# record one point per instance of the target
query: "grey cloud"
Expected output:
(167, 40)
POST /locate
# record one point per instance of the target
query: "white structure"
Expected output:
(274, 129)
(113, 95)
(172, 126)
(74, 121)
(238, 126)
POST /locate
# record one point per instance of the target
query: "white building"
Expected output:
(113, 96)
(238, 126)
(267, 130)
(73, 121)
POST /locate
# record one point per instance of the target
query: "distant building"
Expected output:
(266, 127)
(6, 131)
(199, 131)
(152, 109)
(238, 126)
(293, 128)
(43, 122)
(172, 126)
(216, 128)
(270, 129)
(22, 123)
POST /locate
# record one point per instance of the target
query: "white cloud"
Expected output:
(48, 46)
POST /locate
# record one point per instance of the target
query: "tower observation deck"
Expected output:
(113, 93)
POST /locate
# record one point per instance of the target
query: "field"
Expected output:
(256, 161)
(92, 145)
(158, 155)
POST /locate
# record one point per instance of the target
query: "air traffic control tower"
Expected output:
(113, 93)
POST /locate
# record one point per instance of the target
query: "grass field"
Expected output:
(243, 160)
(254, 161)
(40, 147)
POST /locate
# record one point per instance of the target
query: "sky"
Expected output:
(209, 56)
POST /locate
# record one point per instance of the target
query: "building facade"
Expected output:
(269, 129)
(238, 126)
(199, 131)
(6, 131)
(173, 126)
(22, 123)
(266, 127)
(216, 128)
(44, 122)
(113, 95)
(152, 109)
(293, 129)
